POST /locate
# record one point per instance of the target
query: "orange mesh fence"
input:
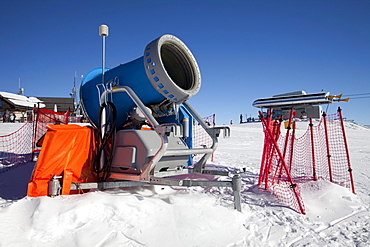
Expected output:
(201, 139)
(320, 153)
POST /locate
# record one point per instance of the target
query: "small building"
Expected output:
(19, 105)
(305, 105)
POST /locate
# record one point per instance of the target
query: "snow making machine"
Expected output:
(141, 130)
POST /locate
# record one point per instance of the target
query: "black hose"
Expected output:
(106, 141)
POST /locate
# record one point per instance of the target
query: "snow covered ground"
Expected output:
(168, 216)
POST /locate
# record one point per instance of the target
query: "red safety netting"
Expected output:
(287, 161)
(201, 138)
(275, 174)
(16, 148)
(20, 146)
(41, 118)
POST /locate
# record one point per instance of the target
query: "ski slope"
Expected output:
(170, 216)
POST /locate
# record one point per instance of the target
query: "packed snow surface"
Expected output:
(174, 216)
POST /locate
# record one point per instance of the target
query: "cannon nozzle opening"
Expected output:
(172, 68)
(177, 66)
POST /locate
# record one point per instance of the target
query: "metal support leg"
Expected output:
(237, 186)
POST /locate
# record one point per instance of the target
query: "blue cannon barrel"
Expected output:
(167, 71)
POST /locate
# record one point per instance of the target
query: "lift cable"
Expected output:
(356, 94)
(364, 97)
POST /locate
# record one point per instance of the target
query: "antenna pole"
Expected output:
(103, 32)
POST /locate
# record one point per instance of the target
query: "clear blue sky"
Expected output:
(245, 49)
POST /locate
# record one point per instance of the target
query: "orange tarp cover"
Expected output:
(68, 151)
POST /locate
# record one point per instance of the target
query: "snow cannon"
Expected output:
(143, 130)
(165, 76)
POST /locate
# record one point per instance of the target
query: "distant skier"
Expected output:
(241, 118)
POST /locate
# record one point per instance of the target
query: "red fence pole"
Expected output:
(347, 152)
(270, 153)
(293, 185)
(287, 137)
(313, 151)
(270, 149)
(264, 169)
(327, 147)
(276, 133)
(292, 148)
(287, 132)
(267, 152)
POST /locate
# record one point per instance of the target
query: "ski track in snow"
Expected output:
(176, 216)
